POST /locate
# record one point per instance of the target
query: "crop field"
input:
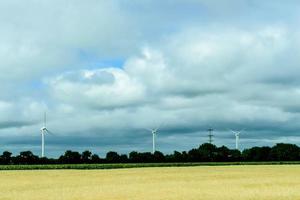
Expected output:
(165, 183)
(137, 165)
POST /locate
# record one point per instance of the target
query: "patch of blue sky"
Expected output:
(86, 61)
(36, 84)
(92, 61)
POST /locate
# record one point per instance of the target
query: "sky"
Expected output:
(106, 71)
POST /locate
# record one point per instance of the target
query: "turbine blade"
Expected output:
(45, 118)
(51, 133)
(159, 126)
(231, 130)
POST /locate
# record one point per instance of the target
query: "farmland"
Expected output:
(137, 165)
(199, 182)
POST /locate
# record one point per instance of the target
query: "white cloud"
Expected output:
(198, 79)
(190, 64)
(98, 89)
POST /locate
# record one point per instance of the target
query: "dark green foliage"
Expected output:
(204, 153)
(123, 158)
(175, 157)
(285, 152)
(112, 157)
(234, 156)
(95, 159)
(158, 157)
(223, 154)
(135, 165)
(208, 152)
(134, 157)
(146, 157)
(70, 157)
(25, 157)
(257, 154)
(86, 157)
(6, 158)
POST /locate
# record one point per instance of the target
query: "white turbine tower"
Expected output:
(237, 138)
(44, 130)
(154, 134)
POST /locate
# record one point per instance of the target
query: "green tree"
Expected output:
(6, 158)
(112, 157)
(95, 159)
(86, 156)
(285, 152)
(158, 156)
(26, 157)
(70, 157)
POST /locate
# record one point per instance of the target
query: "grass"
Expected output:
(255, 182)
(134, 165)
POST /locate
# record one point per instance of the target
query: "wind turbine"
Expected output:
(44, 131)
(154, 134)
(237, 138)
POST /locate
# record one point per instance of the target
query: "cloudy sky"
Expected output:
(106, 70)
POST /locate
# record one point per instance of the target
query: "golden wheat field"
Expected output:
(184, 183)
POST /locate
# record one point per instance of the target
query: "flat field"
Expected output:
(167, 183)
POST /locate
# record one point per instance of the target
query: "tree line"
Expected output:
(204, 153)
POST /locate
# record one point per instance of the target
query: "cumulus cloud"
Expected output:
(187, 65)
(223, 87)
(103, 88)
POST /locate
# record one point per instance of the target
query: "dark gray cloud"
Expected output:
(15, 124)
(189, 65)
